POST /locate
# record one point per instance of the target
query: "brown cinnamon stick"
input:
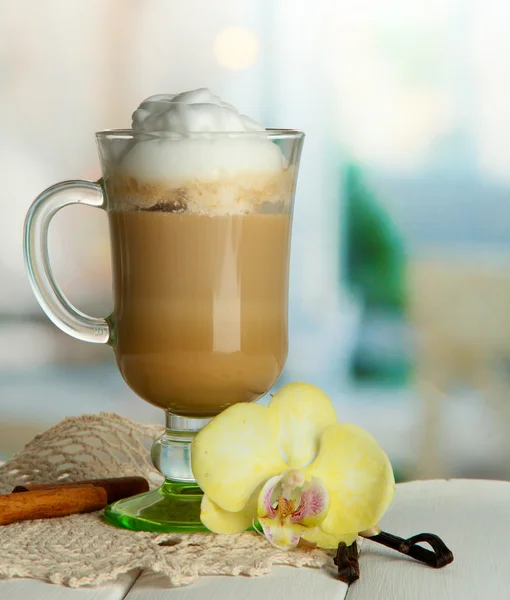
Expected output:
(116, 488)
(44, 504)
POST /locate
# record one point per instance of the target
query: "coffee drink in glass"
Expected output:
(199, 200)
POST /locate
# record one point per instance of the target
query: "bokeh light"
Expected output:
(236, 48)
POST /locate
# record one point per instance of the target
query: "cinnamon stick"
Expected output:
(44, 504)
(116, 488)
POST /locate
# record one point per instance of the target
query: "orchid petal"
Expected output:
(284, 524)
(304, 411)
(222, 521)
(236, 452)
(358, 476)
(265, 499)
(327, 540)
(284, 536)
(314, 504)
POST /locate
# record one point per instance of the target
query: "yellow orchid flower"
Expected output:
(293, 467)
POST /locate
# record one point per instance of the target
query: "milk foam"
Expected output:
(197, 110)
(195, 141)
(177, 161)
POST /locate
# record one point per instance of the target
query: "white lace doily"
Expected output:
(83, 550)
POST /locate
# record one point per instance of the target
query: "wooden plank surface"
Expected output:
(472, 518)
(33, 589)
(285, 582)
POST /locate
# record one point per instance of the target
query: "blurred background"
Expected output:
(400, 279)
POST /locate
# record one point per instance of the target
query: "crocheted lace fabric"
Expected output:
(83, 550)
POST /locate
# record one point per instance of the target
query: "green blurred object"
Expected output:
(401, 476)
(375, 250)
(375, 271)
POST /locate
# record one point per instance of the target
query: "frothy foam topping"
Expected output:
(208, 142)
(205, 159)
(190, 112)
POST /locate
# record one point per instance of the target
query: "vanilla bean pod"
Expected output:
(346, 560)
(438, 557)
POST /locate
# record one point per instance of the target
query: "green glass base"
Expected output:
(174, 507)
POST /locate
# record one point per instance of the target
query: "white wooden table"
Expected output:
(472, 517)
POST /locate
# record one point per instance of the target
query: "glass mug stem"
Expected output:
(171, 453)
(175, 506)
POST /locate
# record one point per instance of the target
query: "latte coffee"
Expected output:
(200, 306)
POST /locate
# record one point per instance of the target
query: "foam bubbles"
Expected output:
(195, 111)
(205, 159)
(196, 151)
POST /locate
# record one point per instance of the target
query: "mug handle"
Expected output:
(35, 247)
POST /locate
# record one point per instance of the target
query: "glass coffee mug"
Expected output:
(200, 284)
